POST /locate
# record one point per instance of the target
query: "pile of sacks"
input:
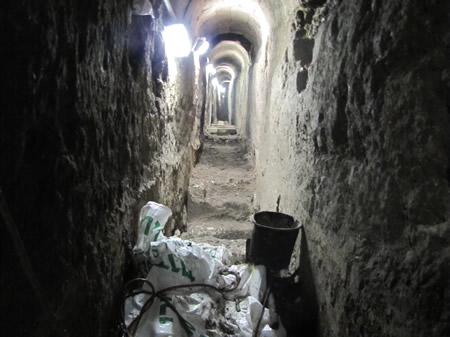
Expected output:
(205, 296)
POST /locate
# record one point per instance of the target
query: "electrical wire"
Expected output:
(130, 330)
(265, 298)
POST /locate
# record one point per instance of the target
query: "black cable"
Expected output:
(132, 327)
(186, 9)
(265, 298)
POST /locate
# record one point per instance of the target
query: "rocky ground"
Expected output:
(220, 195)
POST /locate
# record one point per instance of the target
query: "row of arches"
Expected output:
(243, 36)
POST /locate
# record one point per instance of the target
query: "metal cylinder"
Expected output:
(273, 239)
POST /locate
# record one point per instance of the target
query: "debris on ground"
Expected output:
(191, 289)
(221, 195)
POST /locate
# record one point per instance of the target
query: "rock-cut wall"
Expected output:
(91, 129)
(356, 145)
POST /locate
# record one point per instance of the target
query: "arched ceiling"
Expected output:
(225, 73)
(229, 52)
(210, 18)
(255, 20)
(234, 27)
(233, 37)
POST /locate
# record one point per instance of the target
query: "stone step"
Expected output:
(235, 246)
(221, 129)
(230, 209)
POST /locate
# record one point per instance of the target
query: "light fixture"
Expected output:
(176, 40)
(221, 89)
(215, 82)
(201, 46)
(210, 70)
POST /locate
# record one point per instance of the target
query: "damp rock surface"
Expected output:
(346, 107)
(360, 155)
(92, 129)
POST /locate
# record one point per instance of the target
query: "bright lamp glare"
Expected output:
(210, 69)
(176, 40)
(221, 89)
(215, 82)
(203, 48)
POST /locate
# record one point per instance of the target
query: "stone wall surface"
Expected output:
(356, 146)
(88, 117)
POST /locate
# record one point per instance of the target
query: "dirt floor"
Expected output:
(221, 194)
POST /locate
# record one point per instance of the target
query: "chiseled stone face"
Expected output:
(360, 155)
(91, 129)
(345, 104)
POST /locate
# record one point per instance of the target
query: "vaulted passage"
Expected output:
(335, 112)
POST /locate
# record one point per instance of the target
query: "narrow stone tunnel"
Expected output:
(343, 106)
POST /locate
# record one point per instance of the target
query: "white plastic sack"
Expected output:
(172, 262)
(152, 216)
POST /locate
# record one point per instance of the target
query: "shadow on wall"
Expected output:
(309, 308)
(297, 302)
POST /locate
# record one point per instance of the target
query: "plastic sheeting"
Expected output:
(205, 312)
